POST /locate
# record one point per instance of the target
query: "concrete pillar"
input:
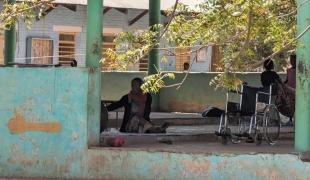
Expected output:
(302, 113)
(93, 56)
(154, 18)
(94, 32)
(10, 42)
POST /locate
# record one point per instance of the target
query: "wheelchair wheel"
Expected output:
(272, 124)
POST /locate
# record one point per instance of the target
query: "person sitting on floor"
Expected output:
(137, 110)
(291, 73)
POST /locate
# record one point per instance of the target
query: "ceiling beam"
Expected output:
(106, 10)
(131, 22)
(70, 7)
(122, 10)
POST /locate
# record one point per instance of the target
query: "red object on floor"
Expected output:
(116, 141)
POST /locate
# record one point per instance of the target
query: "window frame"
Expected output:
(29, 46)
(67, 47)
(180, 60)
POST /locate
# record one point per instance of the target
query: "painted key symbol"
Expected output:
(18, 125)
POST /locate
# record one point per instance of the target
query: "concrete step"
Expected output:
(175, 119)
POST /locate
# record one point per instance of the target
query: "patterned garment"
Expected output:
(285, 101)
(137, 101)
(137, 125)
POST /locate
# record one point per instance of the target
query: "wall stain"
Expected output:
(301, 67)
(263, 173)
(18, 125)
(95, 48)
(97, 163)
(72, 158)
(302, 70)
(196, 167)
(75, 136)
(17, 156)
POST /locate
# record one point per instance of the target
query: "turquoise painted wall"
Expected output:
(50, 95)
(193, 96)
(122, 164)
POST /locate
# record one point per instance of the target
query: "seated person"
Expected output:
(186, 66)
(73, 63)
(284, 102)
(137, 110)
(291, 74)
(290, 83)
(269, 76)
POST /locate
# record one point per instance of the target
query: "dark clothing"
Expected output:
(291, 78)
(123, 102)
(103, 117)
(269, 77)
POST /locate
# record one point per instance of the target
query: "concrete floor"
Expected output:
(185, 137)
(204, 147)
(198, 139)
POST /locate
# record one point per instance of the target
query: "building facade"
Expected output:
(60, 37)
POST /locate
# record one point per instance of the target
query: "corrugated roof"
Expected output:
(133, 4)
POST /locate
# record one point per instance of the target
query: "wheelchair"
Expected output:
(253, 116)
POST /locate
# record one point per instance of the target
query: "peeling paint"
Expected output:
(74, 157)
(36, 100)
(303, 73)
(75, 136)
(95, 48)
(301, 67)
(196, 167)
(17, 156)
(97, 163)
(18, 125)
(268, 173)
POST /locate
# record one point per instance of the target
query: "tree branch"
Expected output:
(259, 63)
(20, 11)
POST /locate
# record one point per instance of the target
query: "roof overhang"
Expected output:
(133, 4)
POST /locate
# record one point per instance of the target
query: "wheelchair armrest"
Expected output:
(263, 93)
(263, 97)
